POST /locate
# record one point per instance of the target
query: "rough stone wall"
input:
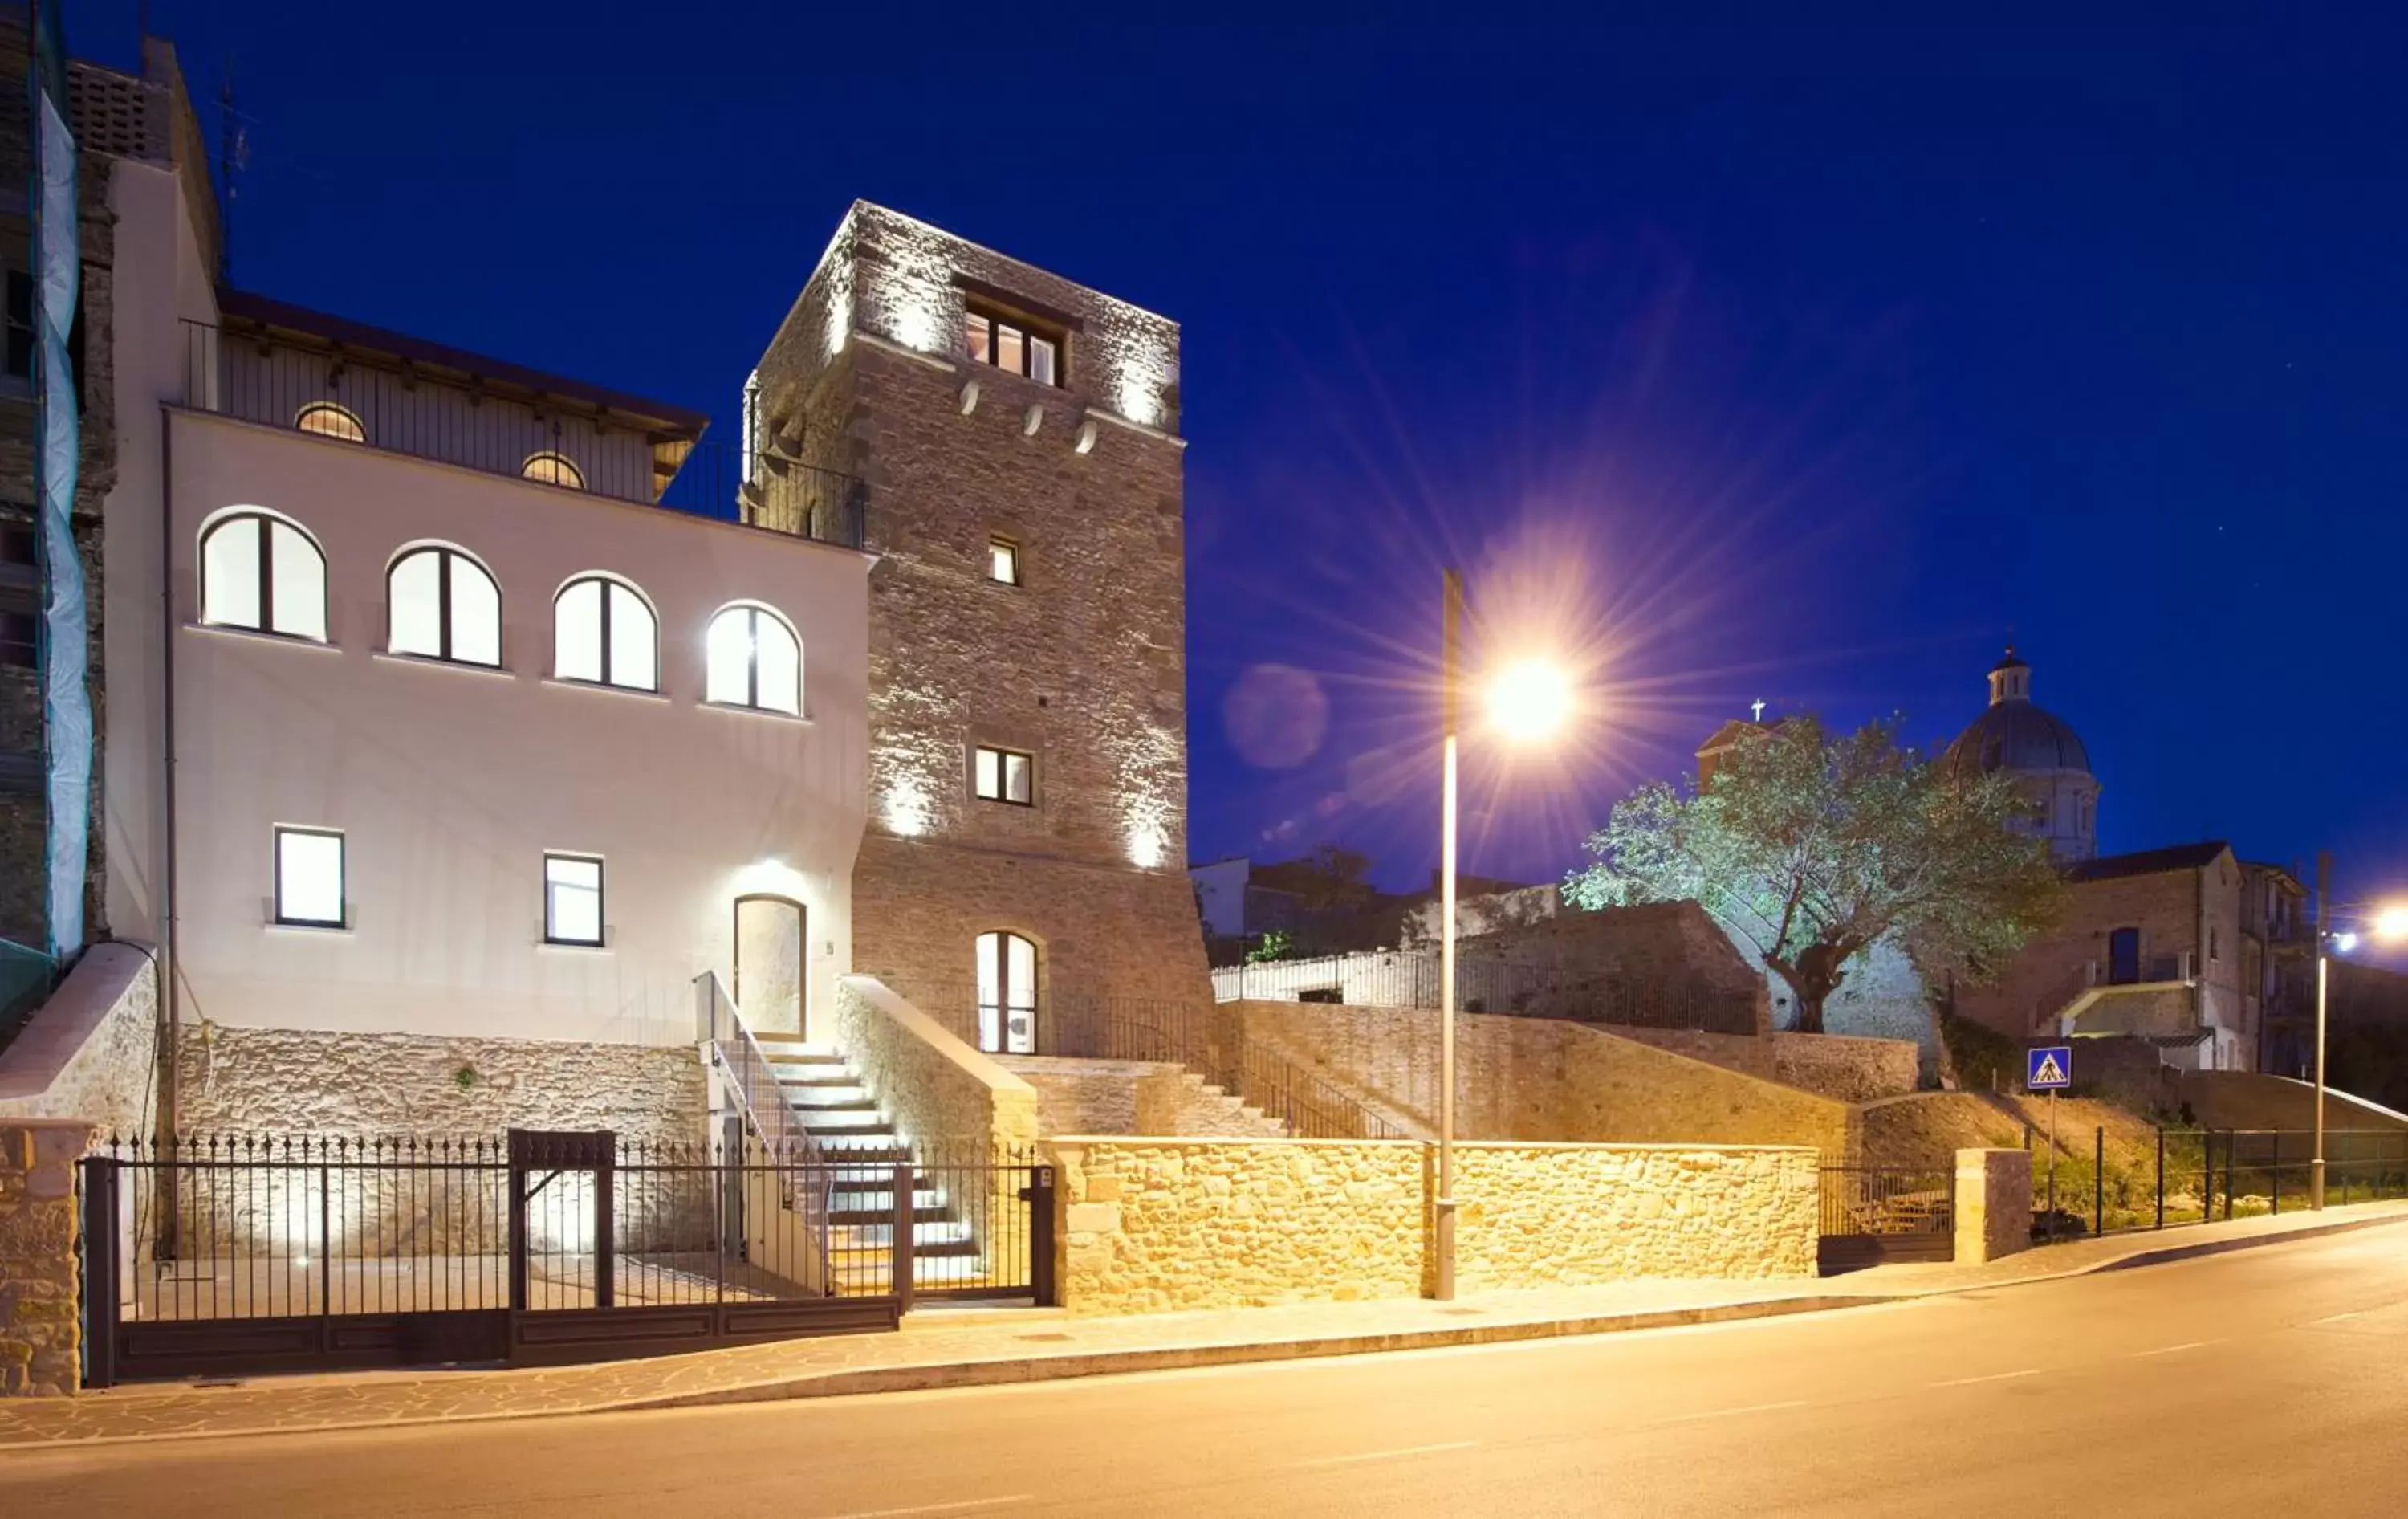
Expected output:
(91, 1052)
(1831, 1065)
(294, 1082)
(1661, 957)
(41, 1336)
(1080, 664)
(1081, 1096)
(940, 1093)
(1993, 1204)
(1154, 1226)
(917, 908)
(1577, 1216)
(1542, 1080)
(1173, 1101)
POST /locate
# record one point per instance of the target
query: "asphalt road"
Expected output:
(2272, 1383)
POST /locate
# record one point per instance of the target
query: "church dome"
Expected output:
(2014, 733)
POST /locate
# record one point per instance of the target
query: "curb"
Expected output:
(934, 1376)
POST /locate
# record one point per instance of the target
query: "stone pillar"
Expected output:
(1993, 1204)
(41, 1327)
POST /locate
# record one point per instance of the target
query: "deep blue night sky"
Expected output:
(1769, 356)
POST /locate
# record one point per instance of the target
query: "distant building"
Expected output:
(2153, 946)
(1234, 905)
(2042, 752)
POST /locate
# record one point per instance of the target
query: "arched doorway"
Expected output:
(770, 963)
(1006, 989)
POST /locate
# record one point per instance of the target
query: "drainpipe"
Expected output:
(171, 1007)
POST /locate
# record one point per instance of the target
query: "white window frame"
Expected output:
(1002, 551)
(992, 955)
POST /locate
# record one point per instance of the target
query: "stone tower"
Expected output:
(1017, 438)
(2043, 754)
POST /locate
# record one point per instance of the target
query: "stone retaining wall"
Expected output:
(41, 1336)
(90, 1051)
(1154, 1226)
(1828, 1065)
(1542, 1080)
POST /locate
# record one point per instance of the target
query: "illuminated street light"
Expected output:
(1528, 700)
(2387, 923)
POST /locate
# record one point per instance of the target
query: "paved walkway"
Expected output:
(964, 1348)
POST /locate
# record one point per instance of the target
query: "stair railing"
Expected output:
(807, 1178)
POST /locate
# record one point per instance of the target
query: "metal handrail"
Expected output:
(766, 1112)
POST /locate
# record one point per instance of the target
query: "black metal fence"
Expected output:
(1870, 1214)
(2191, 1176)
(504, 429)
(228, 1253)
(1404, 980)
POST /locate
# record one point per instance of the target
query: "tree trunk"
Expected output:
(1816, 976)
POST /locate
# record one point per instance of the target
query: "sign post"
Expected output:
(2049, 1068)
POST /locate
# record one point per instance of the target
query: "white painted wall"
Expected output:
(159, 281)
(451, 783)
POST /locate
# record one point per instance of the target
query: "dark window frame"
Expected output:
(1001, 770)
(997, 315)
(445, 553)
(608, 583)
(268, 522)
(1011, 544)
(1004, 1006)
(751, 701)
(601, 901)
(342, 877)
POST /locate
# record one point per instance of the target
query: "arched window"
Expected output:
(328, 419)
(1006, 989)
(552, 469)
(443, 605)
(603, 631)
(260, 572)
(754, 661)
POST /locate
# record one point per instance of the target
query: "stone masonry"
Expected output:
(1156, 1225)
(1081, 664)
(294, 1082)
(1993, 1204)
(40, 1335)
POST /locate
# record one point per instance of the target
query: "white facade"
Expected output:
(450, 782)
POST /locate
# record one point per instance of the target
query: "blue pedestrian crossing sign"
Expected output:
(2048, 1068)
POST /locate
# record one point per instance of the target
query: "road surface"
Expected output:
(2269, 1383)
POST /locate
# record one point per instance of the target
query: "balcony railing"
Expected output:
(401, 408)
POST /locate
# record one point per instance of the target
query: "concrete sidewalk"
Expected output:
(956, 1348)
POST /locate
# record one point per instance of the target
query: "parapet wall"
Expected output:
(1158, 1225)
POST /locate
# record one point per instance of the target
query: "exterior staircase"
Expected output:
(827, 1097)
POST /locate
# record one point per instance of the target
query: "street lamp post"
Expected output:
(1525, 701)
(1449, 629)
(2385, 922)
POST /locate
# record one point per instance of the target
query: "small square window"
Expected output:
(309, 884)
(1023, 345)
(1005, 775)
(572, 899)
(1003, 561)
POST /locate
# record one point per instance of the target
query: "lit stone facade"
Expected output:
(42, 1336)
(1154, 1226)
(1080, 663)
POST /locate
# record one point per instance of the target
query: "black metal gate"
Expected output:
(235, 1254)
(1872, 1215)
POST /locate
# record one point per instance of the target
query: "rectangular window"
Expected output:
(1012, 342)
(1003, 561)
(572, 899)
(310, 884)
(1005, 775)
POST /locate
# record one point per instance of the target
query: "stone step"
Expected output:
(830, 1099)
(944, 1238)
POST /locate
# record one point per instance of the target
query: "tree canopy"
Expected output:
(1811, 848)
